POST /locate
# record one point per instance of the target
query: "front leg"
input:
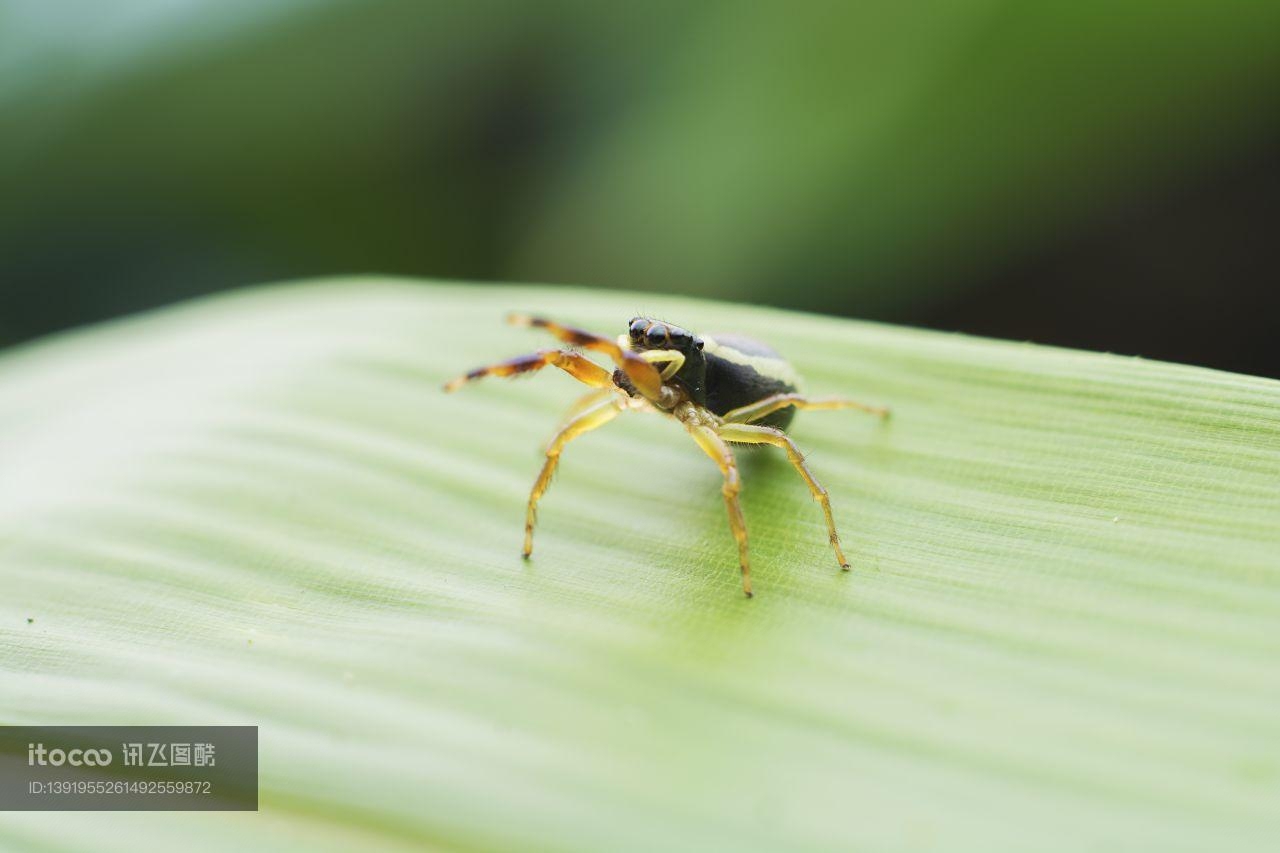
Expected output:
(575, 364)
(643, 375)
(592, 417)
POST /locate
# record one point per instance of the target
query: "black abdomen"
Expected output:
(741, 371)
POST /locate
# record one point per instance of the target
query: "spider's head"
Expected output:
(645, 334)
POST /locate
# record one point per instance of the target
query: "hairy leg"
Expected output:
(714, 446)
(751, 434)
(575, 364)
(589, 418)
(586, 401)
(643, 375)
(762, 408)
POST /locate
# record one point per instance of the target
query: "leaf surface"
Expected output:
(1060, 630)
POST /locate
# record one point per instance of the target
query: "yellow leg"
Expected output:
(587, 401)
(671, 360)
(762, 408)
(723, 457)
(575, 364)
(643, 375)
(750, 434)
(587, 420)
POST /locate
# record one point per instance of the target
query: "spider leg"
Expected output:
(670, 359)
(643, 375)
(586, 401)
(589, 418)
(751, 434)
(761, 408)
(575, 364)
(714, 446)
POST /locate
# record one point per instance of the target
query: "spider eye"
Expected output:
(657, 335)
(637, 327)
(698, 343)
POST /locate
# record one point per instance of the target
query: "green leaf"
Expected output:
(1060, 631)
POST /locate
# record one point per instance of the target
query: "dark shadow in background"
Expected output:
(438, 185)
(1189, 275)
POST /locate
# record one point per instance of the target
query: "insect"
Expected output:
(724, 389)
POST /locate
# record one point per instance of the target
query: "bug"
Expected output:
(724, 389)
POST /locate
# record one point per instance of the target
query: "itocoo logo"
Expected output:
(38, 755)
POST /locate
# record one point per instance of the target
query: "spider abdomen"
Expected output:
(742, 371)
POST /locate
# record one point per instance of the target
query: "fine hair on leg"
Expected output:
(575, 364)
(751, 434)
(714, 446)
(763, 408)
(643, 375)
(591, 417)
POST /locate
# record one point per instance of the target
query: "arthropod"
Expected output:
(724, 389)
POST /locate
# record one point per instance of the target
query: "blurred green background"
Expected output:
(1091, 174)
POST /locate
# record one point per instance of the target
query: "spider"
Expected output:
(724, 389)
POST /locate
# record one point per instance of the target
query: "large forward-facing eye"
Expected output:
(657, 336)
(636, 329)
